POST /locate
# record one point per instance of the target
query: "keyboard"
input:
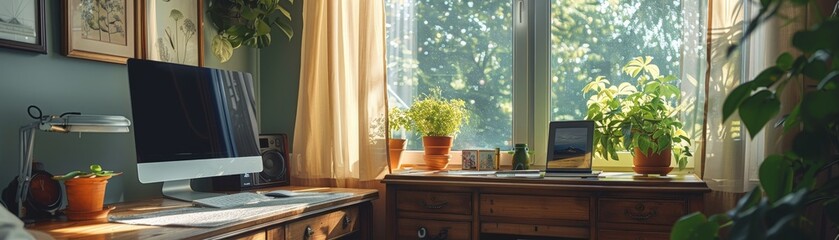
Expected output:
(233, 200)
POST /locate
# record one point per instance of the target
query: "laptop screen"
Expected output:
(570, 146)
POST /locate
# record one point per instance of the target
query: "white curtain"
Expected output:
(339, 135)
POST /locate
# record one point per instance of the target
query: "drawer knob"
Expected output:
(309, 233)
(346, 222)
(639, 214)
(422, 233)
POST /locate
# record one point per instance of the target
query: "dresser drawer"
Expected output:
(540, 207)
(631, 235)
(408, 228)
(643, 211)
(325, 226)
(434, 202)
(535, 230)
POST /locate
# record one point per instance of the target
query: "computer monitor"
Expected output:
(191, 122)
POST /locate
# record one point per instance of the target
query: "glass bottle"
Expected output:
(521, 160)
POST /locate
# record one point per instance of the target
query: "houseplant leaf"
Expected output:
(757, 110)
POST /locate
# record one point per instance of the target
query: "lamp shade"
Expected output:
(85, 123)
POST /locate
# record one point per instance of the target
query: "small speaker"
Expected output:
(274, 149)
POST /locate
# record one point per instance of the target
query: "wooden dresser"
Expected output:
(621, 206)
(340, 219)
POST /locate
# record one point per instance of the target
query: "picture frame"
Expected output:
(469, 159)
(570, 146)
(173, 31)
(26, 30)
(487, 160)
(100, 32)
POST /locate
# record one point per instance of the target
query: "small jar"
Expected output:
(521, 160)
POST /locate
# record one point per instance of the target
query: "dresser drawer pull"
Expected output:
(309, 233)
(422, 233)
(346, 222)
(640, 215)
(433, 204)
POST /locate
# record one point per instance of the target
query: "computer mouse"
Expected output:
(281, 193)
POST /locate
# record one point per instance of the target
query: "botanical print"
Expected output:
(173, 31)
(17, 20)
(103, 20)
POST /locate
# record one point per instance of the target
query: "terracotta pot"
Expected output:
(437, 145)
(85, 196)
(395, 148)
(436, 162)
(652, 163)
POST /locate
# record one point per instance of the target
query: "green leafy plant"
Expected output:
(397, 120)
(641, 115)
(432, 115)
(95, 171)
(788, 182)
(246, 22)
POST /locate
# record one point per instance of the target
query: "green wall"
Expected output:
(279, 75)
(60, 84)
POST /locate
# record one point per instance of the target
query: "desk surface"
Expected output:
(101, 229)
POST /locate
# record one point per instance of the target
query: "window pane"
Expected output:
(464, 48)
(591, 38)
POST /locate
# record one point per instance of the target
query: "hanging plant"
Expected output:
(248, 23)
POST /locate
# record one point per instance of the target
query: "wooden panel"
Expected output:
(434, 202)
(326, 226)
(276, 233)
(413, 228)
(535, 230)
(258, 235)
(632, 235)
(646, 211)
(566, 208)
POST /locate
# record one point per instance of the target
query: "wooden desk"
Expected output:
(486, 207)
(325, 219)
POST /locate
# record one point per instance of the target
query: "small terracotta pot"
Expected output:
(436, 162)
(85, 195)
(395, 148)
(652, 163)
(437, 145)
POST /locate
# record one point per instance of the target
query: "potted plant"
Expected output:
(247, 23)
(397, 120)
(438, 120)
(639, 118)
(86, 193)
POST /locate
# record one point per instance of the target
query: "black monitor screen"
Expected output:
(184, 112)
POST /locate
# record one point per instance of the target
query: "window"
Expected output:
(462, 48)
(522, 63)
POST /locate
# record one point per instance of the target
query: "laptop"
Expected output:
(570, 149)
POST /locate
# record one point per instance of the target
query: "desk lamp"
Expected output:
(65, 123)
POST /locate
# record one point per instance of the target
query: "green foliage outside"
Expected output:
(248, 23)
(397, 120)
(789, 184)
(640, 115)
(465, 48)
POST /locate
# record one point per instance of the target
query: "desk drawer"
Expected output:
(432, 229)
(325, 226)
(434, 202)
(539, 207)
(631, 235)
(644, 211)
(535, 230)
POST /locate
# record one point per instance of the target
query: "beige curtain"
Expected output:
(730, 158)
(339, 135)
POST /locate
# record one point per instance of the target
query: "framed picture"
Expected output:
(173, 31)
(469, 159)
(99, 30)
(22, 25)
(570, 146)
(487, 160)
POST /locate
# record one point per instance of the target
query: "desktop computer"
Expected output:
(192, 122)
